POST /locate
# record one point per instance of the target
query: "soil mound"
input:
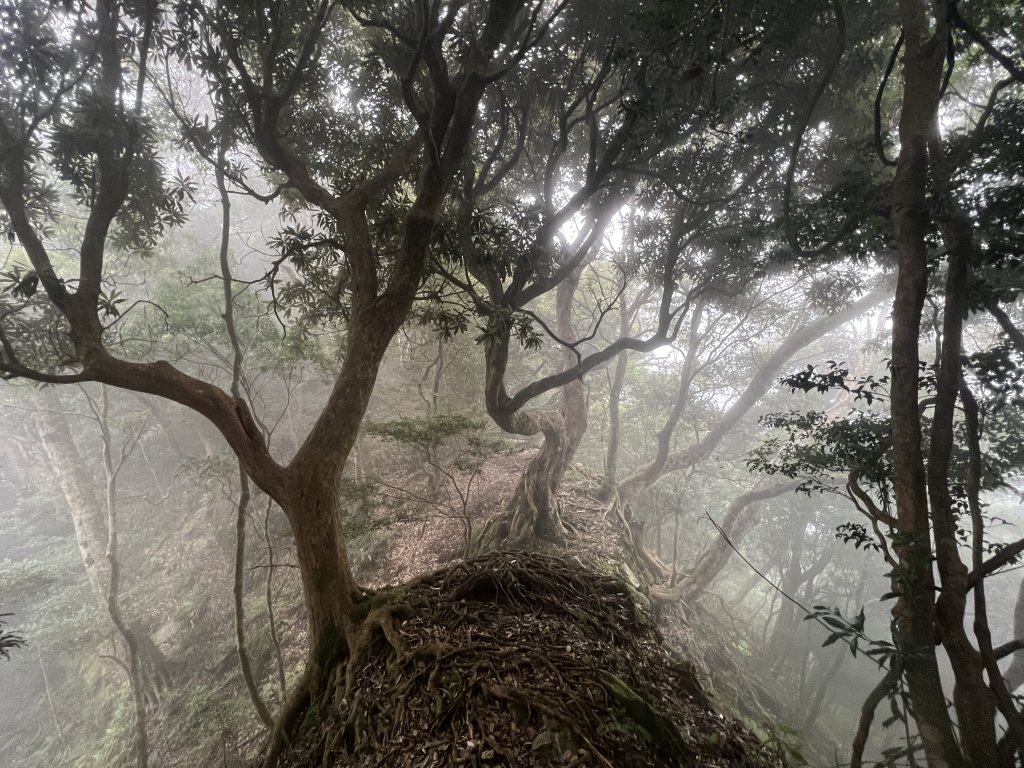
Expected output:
(521, 659)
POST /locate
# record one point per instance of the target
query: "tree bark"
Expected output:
(532, 513)
(974, 701)
(77, 485)
(913, 580)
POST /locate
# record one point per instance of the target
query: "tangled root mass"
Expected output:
(519, 659)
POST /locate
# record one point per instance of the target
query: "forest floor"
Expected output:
(519, 659)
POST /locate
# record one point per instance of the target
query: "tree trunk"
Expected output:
(611, 457)
(307, 489)
(1014, 675)
(974, 701)
(533, 508)
(792, 578)
(136, 660)
(812, 710)
(532, 513)
(78, 486)
(913, 580)
(739, 520)
(313, 507)
(611, 461)
(89, 519)
(244, 491)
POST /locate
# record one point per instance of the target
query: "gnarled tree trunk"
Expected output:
(532, 513)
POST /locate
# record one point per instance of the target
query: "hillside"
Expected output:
(520, 659)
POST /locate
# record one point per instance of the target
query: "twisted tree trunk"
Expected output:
(532, 514)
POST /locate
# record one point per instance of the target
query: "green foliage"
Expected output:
(19, 282)
(858, 534)
(836, 376)
(154, 204)
(851, 632)
(9, 639)
(783, 739)
(816, 447)
(425, 433)
(990, 184)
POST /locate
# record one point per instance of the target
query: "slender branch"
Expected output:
(1015, 71)
(879, 144)
(1004, 650)
(982, 632)
(245, 495)
(1004, 556)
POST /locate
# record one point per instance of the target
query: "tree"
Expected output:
(631, 160)
(77, 133)
(935, 470)
(921, 481)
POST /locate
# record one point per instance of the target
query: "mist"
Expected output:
(511, 383)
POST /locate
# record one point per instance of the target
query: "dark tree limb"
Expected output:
(867, 713)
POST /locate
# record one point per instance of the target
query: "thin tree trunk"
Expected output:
(77, 485)
(269, 596)
(135, 672)
(915, 609)
(627, 310)
(813, 708)
(974, 701)
(867, 712)
(53, 709)
(1002, 695)
(790, 582)
(611, 456)
(245, 495)
(90, 521)
(238, 595)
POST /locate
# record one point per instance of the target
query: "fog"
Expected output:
(300, 304)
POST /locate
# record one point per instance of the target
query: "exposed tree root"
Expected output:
(531, 517)
(515, 659)
(287, 722)
(632, 533)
